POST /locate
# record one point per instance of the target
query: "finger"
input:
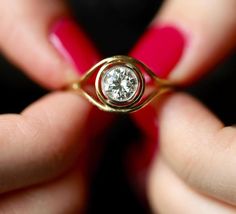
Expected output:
(28, 37)
(168, 194)
(187, 38)
(43, 142)
(65, 195)
(198, 148)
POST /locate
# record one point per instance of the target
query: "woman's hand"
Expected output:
(194, 170)
(46, 140)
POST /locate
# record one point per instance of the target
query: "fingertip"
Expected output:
(187, 39)
(30, 45)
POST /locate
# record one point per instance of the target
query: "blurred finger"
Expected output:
(43, 142)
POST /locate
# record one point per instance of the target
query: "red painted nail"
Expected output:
(73, 44)
(160, 48)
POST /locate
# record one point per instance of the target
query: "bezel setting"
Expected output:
(112, 102)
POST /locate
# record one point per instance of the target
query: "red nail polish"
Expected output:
(73, 44)
(160, 48)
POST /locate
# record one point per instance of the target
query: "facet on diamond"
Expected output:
(120, 83)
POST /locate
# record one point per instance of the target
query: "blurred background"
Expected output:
(114, 26)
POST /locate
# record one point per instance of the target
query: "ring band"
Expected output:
(120, 84)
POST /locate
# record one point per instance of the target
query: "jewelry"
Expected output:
(120, 84)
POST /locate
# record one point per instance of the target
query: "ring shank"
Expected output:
(160, 86)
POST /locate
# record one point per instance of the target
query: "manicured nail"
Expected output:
(70, 40)
(160, 48)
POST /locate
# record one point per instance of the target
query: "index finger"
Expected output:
(34, 34)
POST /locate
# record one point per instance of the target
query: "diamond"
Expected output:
(120, 83)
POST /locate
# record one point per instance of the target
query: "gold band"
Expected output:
(122, 84)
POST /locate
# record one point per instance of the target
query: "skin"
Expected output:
(193, 172)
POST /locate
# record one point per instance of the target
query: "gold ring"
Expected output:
(120, 84)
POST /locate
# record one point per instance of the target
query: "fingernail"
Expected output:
(160, 48)
(70, 40)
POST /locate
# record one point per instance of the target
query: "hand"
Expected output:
(194, 170)
(42, 149)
